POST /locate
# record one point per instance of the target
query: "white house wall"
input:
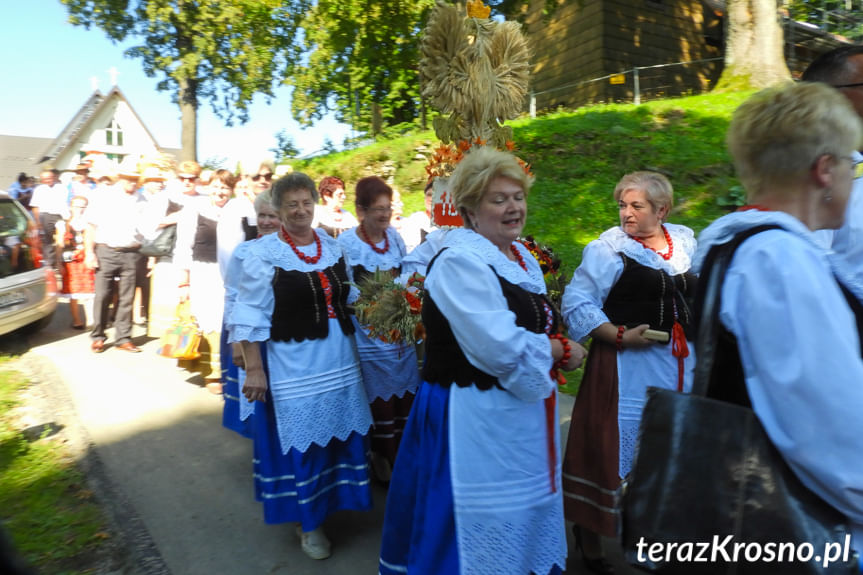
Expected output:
(136, 140)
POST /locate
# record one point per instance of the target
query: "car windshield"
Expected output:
(16, 249)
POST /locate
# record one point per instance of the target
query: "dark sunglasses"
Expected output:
(257, 177)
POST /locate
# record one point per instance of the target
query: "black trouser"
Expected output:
(48, 223)
(121, 263)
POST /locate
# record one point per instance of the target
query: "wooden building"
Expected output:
(589, 51)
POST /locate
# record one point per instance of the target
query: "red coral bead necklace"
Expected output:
(308, 259)
(667, 255)
(518, 257)
(368, 240)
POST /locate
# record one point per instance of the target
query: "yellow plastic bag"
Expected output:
(182, 339)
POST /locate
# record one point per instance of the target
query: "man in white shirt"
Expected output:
(49, 205)
(111, 245)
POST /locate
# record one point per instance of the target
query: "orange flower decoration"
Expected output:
(476, 9)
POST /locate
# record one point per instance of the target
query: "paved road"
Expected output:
(180, 482)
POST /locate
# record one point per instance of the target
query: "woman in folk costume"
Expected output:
(476, 486)
(634, 278)
(390, 371)
(792, 312)
(237, 411)
(293, 293)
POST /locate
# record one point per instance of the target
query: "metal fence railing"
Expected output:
(636, 75)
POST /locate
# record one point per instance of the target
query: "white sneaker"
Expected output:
(314, 543)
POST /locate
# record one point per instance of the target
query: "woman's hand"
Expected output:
(635, 337)
(577, 353)
(255, 386)
(91, 262)
(237, 355)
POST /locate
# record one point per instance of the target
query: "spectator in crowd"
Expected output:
(78, 279)
(330, 215)
(418, 225)
(20, 188)
(111, 242)
(634, 277)
(49, 206)
(81, 184)
(195, 255)
(293, 289)
(186, 185)
(262, 180)
(842, 68)
(389, 369)
(476, 486)
(236, 413)
(161, 213)
(795, 331)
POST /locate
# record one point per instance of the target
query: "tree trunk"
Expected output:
(188, 99)
(754, 56)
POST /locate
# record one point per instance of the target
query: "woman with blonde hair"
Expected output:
(476, 485)
(791, 316)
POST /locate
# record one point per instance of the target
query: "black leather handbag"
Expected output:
(708, 492)
(162, 245)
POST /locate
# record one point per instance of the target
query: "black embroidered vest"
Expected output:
(204, 246)
(446, 363)
(646, 295)
(300, 310)
(250, 230)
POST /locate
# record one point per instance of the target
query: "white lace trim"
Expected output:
(628, 420)
(588, 319)
(684, 248)
(247, 333)
(360, 253)
(321, 407)
(487, 252)
(501, 537)
(276, 252)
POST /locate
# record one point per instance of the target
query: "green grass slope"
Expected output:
(577, 158)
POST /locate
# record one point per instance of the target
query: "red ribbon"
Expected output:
(680, 350)
(550, 423)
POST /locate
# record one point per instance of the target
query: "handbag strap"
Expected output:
(708, 298)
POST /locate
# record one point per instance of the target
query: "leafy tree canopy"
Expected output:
(219, 51)
(843, 17)
(228, 50)
(285, 148)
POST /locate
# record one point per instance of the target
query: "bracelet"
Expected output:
(619, 340)
(559, 364)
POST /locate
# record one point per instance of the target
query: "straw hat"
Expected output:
(128, 169)
(152, 174)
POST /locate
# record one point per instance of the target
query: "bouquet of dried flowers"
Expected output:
(389, 310)
(549, 263)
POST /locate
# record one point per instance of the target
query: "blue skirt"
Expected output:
(231, 390)
(419, 524)
(306, 487)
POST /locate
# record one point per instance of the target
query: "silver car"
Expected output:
(28, 291)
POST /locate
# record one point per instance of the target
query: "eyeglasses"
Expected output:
(257, 177)
(188, 178)
(854, 85)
